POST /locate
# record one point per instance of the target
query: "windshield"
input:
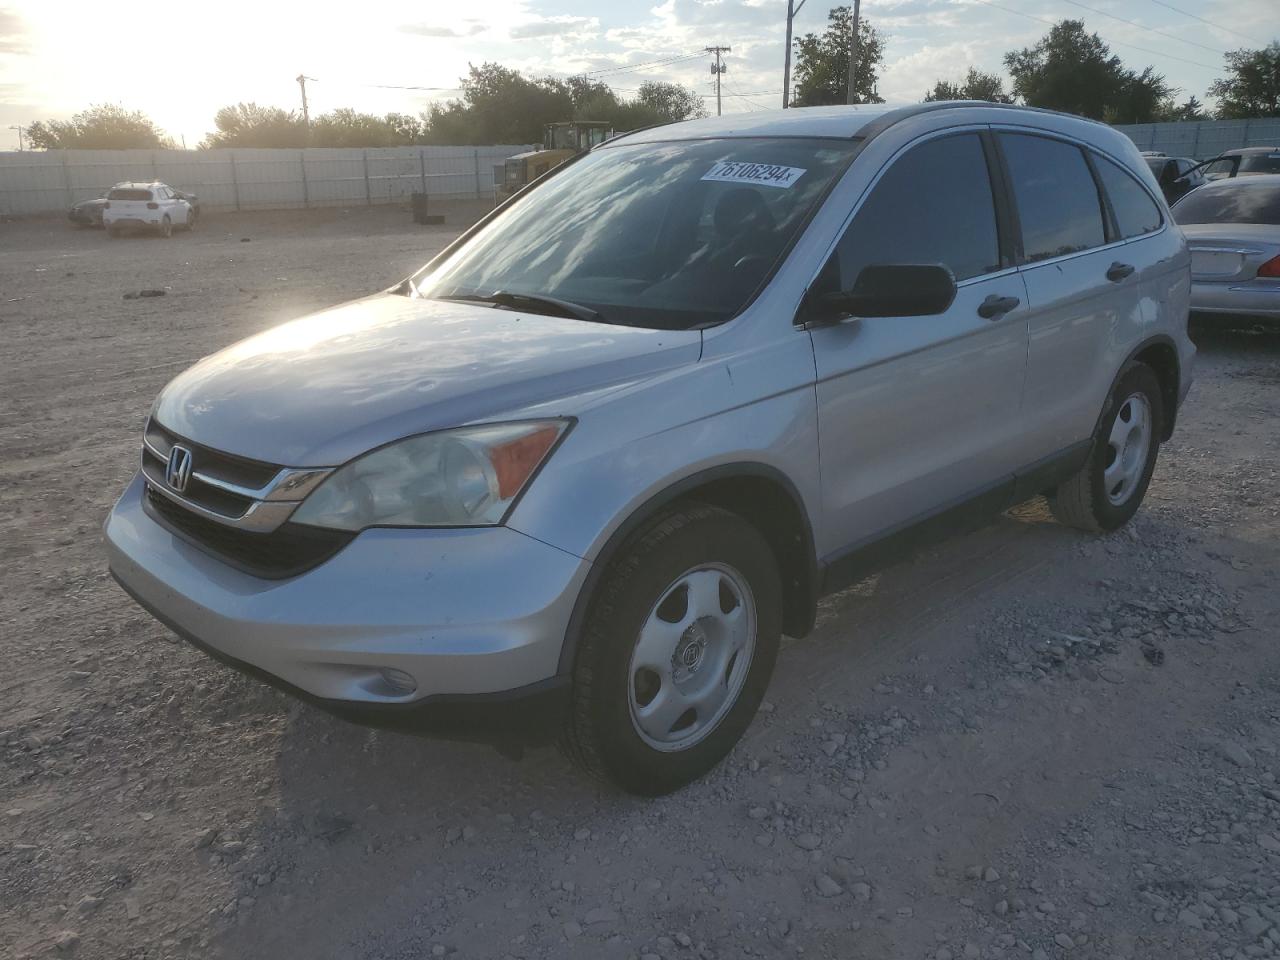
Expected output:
(1255, 163)
(666, 235)
(1243, 201)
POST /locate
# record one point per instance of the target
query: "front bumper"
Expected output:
(1250, 298)
(476, 616)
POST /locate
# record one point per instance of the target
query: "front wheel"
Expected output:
(677, 650)
(1108, 489)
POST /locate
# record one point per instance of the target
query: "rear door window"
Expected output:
(933, 205)
(1057, 199)
(1136, 213)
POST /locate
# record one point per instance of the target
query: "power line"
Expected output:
(392, 86)
(1169, 6)
(1134, 23)
(629, 67)
(1117, 43)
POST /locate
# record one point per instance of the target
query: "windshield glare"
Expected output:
(1243, 201)
(666, 235)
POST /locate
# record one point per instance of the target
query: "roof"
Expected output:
(1248, 151)
(839, 121)
(863, 119)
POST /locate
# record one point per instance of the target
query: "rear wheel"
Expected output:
(191, 219)
(1109, 488)
(676, 652)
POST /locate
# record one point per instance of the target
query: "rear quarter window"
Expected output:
(1136, 213)
(129, 194)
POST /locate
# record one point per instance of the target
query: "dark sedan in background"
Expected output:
(1177, 176)
(87, 213)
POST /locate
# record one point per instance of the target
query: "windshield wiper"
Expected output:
(534, 303)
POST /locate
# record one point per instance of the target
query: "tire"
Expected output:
(191, 221)
(1107, 491)
(166, 227)
(696, 558)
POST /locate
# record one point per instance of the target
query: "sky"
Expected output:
(180, 61)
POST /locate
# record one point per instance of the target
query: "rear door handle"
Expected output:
(1118, 271)
(996, 306)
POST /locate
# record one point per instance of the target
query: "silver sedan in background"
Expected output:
(1233, 232)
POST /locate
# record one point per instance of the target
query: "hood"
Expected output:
(323, 389)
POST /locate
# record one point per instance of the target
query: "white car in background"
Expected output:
(152, 206)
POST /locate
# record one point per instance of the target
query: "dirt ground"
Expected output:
(1026, 742)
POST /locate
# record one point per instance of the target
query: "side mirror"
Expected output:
(891, 290)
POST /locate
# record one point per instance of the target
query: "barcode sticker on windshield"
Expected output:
(761, 174)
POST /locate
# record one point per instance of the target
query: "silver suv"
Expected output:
(577, 475)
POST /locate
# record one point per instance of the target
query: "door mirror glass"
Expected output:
(892, 290)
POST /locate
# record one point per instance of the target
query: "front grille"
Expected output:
(206, 462)
(287, 551)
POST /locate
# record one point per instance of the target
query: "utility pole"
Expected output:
(306, 114)
(792, 9)
(19, 128)
(718, 68)
(853, 51)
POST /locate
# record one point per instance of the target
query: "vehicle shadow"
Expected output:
(1213, 335)
(375, 830)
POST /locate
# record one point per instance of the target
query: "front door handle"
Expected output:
(1118, 271)
(996, 306)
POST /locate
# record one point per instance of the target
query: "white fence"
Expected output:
(35, 181)
(1203, 139)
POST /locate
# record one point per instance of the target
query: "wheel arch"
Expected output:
(763, 496)
(1160, 353)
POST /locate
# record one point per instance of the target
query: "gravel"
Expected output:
(1024, 742)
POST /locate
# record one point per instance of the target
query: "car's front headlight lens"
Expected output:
(455, 478)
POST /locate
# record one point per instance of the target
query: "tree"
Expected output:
(822, 62)
(249, 125)
(105, 126)
(1075, 72)
(977, 85)
(1191, 109)
(500, 105)
(1253, 89)
(345, 127)
(669, 102)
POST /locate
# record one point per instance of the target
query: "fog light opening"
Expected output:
(400, 682)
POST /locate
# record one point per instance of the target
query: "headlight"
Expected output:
(455, 478)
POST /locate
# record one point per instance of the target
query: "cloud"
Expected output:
(430, 30)
(12, 33)
(554, 27)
